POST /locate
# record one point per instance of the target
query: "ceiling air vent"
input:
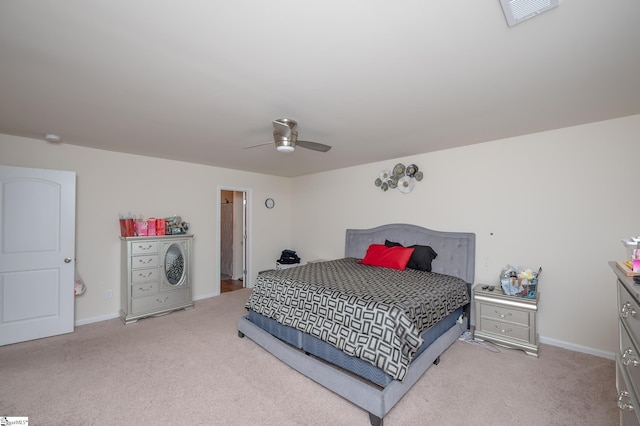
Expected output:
(517, 11)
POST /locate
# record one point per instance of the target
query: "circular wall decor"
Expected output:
(269, 203)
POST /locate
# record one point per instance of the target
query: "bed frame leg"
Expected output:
(375, 420)
(436, 361)
(240, 334)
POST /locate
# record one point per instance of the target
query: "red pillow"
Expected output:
(387, 257)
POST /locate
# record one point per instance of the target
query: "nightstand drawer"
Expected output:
(501, 313)
(504, 329)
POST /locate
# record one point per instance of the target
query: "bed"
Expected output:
(338, 322)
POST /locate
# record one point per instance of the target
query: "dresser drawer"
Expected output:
(144, 289)
(627, 399)
(629, 312)
(506, 329)
(629, 357)
(502, 313)
(145, 261)
(159, 301)
(144, 247)
(144, 275)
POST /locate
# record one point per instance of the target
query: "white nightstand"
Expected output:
(506, 320)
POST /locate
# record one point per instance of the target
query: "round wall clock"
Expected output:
(269, 203)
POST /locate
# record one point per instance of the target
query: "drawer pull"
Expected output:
(501, 315)
(145, 262)
(627, 310)
(627, 360)
(502, 330)
(148, 247)
(622, 405)
(145, 289)
(162, 300)
(147, 275)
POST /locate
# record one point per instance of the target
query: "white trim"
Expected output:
(97, 319)
(577, 348)
(248, 231)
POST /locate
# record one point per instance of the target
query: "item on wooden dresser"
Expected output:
(631, 244)
(141, 227)
(151, 226)
(127, 227)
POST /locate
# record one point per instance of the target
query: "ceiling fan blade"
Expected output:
(313, 145)
(255, 146)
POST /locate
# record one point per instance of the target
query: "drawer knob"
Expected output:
(144, 289)
(501, 315)
(141, 247)
(627, 360)
(162, 300)
(627, 310)
(502, 330)
(624, 406)
(147, 275)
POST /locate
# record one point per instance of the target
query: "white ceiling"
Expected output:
(198, 80)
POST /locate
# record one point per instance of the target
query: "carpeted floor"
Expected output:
(191, 368)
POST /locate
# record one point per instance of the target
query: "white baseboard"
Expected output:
(577, 348)
(97, 319)
(206, 296)
(117, 314)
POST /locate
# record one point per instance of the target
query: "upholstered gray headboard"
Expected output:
(456, 250)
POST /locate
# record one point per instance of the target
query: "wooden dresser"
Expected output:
(628, 358)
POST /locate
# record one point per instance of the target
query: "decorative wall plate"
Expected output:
(405, 185)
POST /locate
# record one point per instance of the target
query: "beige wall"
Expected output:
(110, 183)
(562, 200)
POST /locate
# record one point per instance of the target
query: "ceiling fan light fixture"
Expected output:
(285, 148)
(284, 143)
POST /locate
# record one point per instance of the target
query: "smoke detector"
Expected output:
(50, 137)
(517, 11)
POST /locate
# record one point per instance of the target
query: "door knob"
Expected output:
(67, 260)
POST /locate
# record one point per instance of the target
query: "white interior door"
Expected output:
(37, 253)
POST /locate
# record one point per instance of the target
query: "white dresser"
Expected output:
(628, 358)
(155, 276)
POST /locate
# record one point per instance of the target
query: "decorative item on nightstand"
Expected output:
(521, 283)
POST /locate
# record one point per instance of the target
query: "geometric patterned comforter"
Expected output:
(373, 313)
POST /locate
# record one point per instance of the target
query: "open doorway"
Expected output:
(232, 238)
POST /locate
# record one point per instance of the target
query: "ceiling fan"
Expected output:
(285, 137)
